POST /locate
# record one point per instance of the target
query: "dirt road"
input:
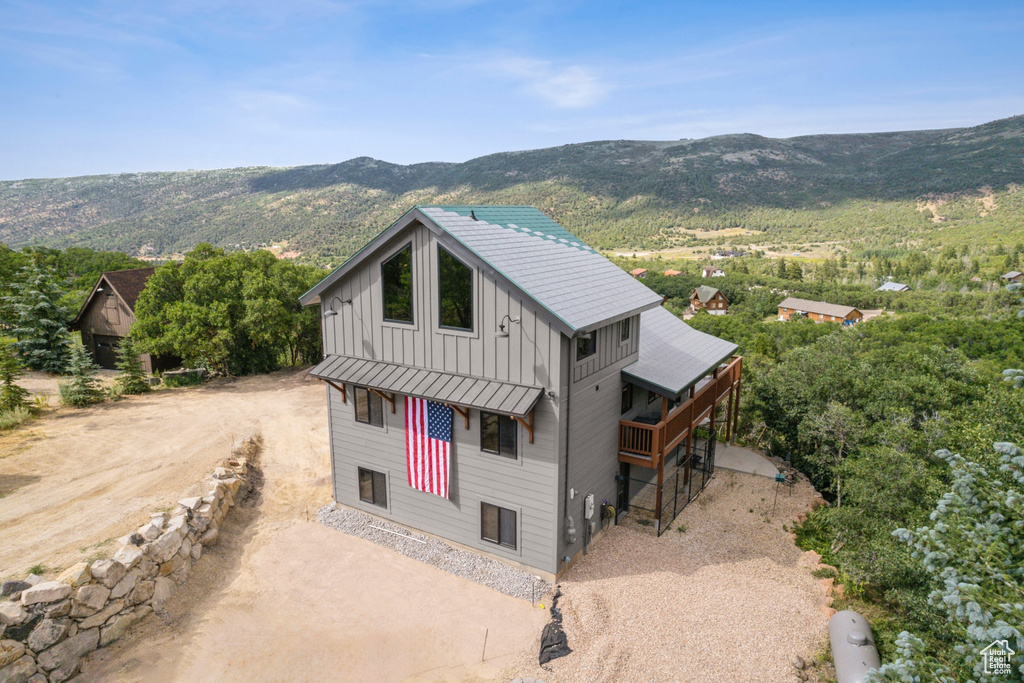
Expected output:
(75, 480)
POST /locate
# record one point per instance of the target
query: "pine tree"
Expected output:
(82, 386)
(12, 396)
(132, 379)
(39, 326)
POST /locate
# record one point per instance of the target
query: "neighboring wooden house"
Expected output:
(544, 351)
(712, 271)
(639, 273)
(891, 286)
(673, 273)
(819, 311)
(1013, 276)
(710, 298)
(108, 314)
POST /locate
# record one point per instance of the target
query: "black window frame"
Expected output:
(590, 341)
(500, 514)
(384, 288)
(374, 478)
(651, 396)
(627, 399)
(441, 295)
(624, 330)
(505, 426)
(372, 400)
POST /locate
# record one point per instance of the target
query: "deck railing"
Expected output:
(640, 442)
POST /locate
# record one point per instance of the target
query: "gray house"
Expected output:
(574, 397)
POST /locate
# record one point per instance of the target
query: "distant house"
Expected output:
(975, 279)
(709, 298)
(728, 253)
(819, 311)
(1013, 276)
(639, 273)
(711, 271)
(673, 273)
(108, 314)
(893, 287)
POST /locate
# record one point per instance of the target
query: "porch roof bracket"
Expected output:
(527, 423)
(390, 398)
(339, 387)
(464, 412)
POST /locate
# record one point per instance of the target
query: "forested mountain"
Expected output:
(872, 190)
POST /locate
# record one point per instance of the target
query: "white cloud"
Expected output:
(569, 87)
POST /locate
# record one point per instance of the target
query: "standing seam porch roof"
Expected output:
(493, 396)
(565, 276)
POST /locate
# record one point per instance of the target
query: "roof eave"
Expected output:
(668, 391)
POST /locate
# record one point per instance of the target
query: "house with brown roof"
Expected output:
(709, 298)
(819, 311)
(639, 273)
(108, 314)
(673, 273)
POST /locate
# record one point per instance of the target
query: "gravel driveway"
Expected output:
(726, 600)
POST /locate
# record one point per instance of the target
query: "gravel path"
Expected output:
(477, 568)
(729, 599)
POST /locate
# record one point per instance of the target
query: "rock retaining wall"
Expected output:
(46, 627)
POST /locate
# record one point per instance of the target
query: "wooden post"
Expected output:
(664, 408)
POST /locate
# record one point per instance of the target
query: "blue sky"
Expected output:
(95, 86)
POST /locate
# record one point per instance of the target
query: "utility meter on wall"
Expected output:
(588, 506)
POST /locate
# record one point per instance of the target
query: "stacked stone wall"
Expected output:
(46, 627)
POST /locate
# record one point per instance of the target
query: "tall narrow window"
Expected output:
(455, 291)
(396, 283)
(498, 525)
(499, 434)
(627, 398)
(369, 407)
(624, 330)
(372, 487)
(586, 346)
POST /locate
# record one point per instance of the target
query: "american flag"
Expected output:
(428, 444)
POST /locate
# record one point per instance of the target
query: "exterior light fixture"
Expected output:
(502, 332)
(331, 311)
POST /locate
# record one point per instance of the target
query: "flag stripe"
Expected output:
(427, 456)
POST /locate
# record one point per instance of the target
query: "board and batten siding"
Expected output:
(609, 350)
(526, 484)
(529, 355)
(107, 315)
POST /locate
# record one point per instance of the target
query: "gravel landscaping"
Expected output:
(469, 565)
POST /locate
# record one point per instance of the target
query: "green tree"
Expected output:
(40, 325)
(832, 435)
(81, 387)
(12, 396)
(132, 379)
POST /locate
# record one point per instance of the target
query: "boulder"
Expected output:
(151, 531)
(142, 592)
(185, 549)
(12, 613)
(208, 538)
(112, 608)
(108, 572)
(197, 552)
(21, 671)
(191, 503)
(89, 600)
(164, 548)
(58, 609)
(10, 651)
(223, 473)
(38, 678)
(48, 632)
(146, 568)
(126, 585)
(162, 589)
(64, 659)
(120, 624)
(178, 523)
(172, 565)
(21, 631)
(180, 575)
(33, 579)
(129, 556)
(12, 587)
(44, 592)
(76, 576)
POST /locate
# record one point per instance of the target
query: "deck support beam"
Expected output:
(527, 423)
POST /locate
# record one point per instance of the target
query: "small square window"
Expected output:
(373, 488)
(369, 407)
(498, 525)
(586, 346)
(624, 330)
(627, 398)
(499, 434)
(651, 396)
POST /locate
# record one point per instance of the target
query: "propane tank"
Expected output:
(853, 647)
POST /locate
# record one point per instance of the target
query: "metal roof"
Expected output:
(446, 387)
(820, 307)
(1012, 274)
(893, 287)
(577, 285)
(673, 355)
